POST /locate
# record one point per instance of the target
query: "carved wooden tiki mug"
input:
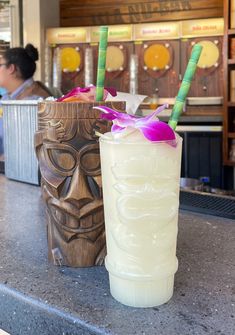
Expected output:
(68, 154)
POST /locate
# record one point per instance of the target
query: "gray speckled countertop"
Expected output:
(39, 298)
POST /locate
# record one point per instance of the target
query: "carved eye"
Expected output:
(62, 160)
(61, 157)
(90, 160)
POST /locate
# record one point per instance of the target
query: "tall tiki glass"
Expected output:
(141, 199)
(69, 160)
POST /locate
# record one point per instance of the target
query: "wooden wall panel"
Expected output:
(75, 13)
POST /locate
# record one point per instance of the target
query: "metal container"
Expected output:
(19, 126)
(191, 184)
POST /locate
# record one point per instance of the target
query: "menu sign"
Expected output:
(207, 27)
(67, 35)
(117, 33)
(156, 31)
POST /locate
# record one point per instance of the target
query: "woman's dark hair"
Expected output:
(24, 59)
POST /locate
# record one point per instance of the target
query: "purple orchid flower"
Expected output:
(150, 126)
(86, 93)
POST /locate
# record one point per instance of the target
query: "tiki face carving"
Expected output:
(68, 154)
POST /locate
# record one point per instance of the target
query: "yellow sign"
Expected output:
(70, 59)
(114, 59)
(138, 32)
(209, 56)
(156, 56)
(204, 27)
(67, 35)
(118, 33)
(156, 31)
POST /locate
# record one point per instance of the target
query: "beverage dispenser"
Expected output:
(119, 50)
(67, 51)
(157, 47)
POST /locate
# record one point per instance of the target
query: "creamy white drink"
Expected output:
(141, 199)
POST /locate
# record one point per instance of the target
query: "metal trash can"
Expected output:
(19, 126)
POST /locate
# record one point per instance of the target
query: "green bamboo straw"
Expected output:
(101, 63)
(185, 86)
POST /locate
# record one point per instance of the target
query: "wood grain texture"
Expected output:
(95, 12)
(68, 153)
(225, 85)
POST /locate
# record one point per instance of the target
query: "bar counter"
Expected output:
(37, 297)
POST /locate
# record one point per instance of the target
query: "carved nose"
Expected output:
(79, 190)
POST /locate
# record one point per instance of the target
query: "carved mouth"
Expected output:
(76, 220)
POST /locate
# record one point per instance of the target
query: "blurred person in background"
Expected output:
(17, 67)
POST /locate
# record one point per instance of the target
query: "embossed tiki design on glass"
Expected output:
(69, 160)
(141, 199)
